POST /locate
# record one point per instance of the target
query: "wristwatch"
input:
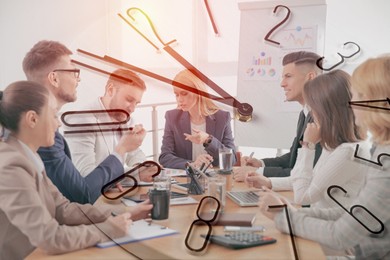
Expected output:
(208, 141)
(310, 145)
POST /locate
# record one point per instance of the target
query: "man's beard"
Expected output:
(66, 97)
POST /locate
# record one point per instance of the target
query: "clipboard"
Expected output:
(140, 230)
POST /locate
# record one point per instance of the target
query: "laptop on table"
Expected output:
(244, 198)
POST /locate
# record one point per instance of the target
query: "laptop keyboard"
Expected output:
(244, 197)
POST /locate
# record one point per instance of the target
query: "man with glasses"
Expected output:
(49, 63)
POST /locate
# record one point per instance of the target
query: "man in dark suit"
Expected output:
(49, 64)
(298, 68)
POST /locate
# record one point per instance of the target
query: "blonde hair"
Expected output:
(371, 80)
(205, 105)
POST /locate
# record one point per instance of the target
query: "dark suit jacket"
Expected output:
(281, 166)
(60, 169)
(176, 151)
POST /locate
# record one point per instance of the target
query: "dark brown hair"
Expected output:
(18, 98)
(328, 95)
(302, 58)
(127, 77)
(42, 58)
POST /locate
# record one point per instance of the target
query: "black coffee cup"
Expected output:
(160, 200)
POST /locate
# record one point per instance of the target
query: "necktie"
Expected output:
(296, 143)
(301, 123)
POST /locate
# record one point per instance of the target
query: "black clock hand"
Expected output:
(362, 103)
(243, 109)
(271, 207)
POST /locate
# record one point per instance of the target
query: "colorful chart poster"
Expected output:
(265, 64)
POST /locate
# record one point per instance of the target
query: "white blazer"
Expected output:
(90, 149)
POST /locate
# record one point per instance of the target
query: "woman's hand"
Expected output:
(141, 210)
(240, 173)
(118, 226)
(197, 136)
(253, 179)
(271, 198)
(205, 159)
(312, 133)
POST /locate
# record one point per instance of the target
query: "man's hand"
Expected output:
(131, 140)
(248, 161)
(146, 173)
(240, 173)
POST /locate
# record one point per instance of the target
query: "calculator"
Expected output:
(239, 240)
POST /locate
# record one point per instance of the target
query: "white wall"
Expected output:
(94, 25)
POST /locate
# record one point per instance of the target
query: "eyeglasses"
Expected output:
(75, 71)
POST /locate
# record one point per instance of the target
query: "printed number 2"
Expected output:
(267, 36)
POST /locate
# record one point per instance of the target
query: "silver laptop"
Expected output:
(244, 198)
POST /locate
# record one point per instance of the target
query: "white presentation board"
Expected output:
(259, 66)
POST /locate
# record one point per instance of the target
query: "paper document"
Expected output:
(175, 172)
(183, 201)
(140, 230)
(176, 201)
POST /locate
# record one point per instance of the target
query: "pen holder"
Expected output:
(196, 183)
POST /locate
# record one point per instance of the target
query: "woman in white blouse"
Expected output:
(363, 230)
(335, 129)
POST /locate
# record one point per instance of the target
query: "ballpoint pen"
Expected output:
(201, 167)
(207, 167)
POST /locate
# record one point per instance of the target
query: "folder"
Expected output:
(140, 230)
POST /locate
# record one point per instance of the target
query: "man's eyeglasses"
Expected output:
(75, 71)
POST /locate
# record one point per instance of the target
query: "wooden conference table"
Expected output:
(173, 246)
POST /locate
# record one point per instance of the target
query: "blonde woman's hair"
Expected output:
(205, 105)
(371, 81)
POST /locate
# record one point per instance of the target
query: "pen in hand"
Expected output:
(250, 157)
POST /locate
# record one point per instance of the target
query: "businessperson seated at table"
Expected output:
(196, 129)
(123, 90)
(33, 212)
(334, 128)
(360, 231)
(49, 63)
(298, 68)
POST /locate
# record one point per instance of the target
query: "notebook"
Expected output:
(140, 230)
(244, 198)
